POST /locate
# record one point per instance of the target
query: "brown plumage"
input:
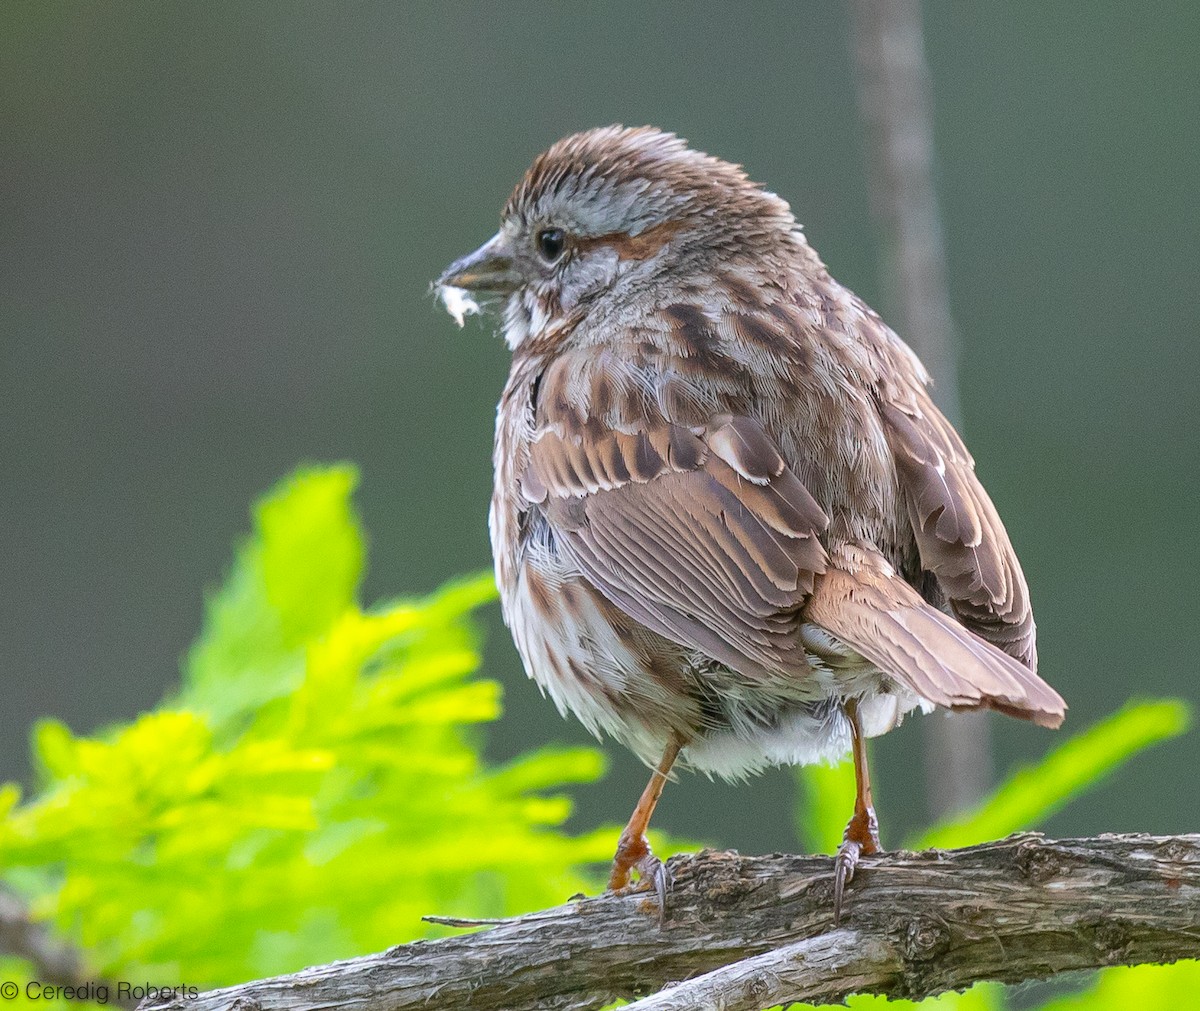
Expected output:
(729, 524)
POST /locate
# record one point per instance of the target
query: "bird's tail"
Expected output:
(866, 605)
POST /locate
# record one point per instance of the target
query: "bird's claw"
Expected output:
(861, 839)
(636, 855)
(653, 870)
(843, 873)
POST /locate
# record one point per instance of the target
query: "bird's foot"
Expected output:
(861, 839)
(634, 854)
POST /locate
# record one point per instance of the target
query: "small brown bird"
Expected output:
(730, 527)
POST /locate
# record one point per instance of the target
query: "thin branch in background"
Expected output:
(744, 933)
(894, 99)
(54, 963)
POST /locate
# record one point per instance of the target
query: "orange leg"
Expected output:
(862, 833)
(633, 851)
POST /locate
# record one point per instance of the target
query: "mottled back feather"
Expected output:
(702, 534)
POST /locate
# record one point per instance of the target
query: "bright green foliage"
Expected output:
(1027, 797)
(826, 799)
(313, 789)
(1175, 987)
(1077, 765)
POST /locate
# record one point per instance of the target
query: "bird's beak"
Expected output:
(487, 271)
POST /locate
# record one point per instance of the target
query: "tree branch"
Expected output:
(760, 928)
(897, 110)
(894, 99)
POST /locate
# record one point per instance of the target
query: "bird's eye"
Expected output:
(550, 243)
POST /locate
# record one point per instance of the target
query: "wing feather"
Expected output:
(701, 533)
(959, 534)
(885, 620)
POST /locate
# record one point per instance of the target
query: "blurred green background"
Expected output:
(219, 225)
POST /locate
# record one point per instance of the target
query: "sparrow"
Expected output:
(730, 528)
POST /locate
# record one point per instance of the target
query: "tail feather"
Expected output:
(874, 611)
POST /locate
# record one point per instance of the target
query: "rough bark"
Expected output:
(915, 924)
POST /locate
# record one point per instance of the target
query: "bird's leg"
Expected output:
(862, 833)
(633, 851)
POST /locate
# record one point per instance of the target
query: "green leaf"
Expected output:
(1140, 986)
(10, 797)
(549, 767)
(311, 550)
(1079, 764)
(298, 571)
(54, 751)
(826, 803)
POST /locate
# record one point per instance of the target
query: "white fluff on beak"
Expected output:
(458, 302)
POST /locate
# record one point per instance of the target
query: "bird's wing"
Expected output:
(701, 533)
(958, 532)
(863, 602)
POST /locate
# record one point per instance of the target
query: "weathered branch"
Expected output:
(916, 924)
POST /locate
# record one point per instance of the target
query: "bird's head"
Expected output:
(610, 213)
